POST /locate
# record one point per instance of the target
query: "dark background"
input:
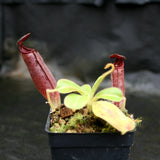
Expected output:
(83, 33)
(75, 38)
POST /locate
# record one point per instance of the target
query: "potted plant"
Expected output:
(90, 124)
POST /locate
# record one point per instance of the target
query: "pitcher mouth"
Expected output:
(22, 48)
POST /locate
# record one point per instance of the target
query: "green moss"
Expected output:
(75, 119)
(108, 129)
(58, 128)
(82, 122)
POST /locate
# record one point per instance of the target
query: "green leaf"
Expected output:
(112, 94)
(66, 86)
(75, 101)
(86, 88)
(113, 115)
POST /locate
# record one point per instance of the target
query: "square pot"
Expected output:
(89, 146)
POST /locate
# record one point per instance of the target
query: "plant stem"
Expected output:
(97, 84)
(101, 78)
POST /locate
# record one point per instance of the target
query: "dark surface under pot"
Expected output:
(23, 114)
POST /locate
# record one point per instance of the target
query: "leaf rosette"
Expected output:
(100, 103)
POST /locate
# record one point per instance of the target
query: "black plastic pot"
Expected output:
(89, 146)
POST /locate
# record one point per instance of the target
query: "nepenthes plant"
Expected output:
(98, 103)
(108, 104)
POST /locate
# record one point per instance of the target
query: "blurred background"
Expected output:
(76, 38)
